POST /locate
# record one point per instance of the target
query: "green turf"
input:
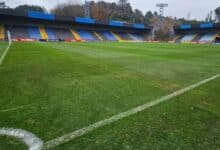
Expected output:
(68, 86)
(3, 46)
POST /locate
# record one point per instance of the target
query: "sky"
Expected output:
(193, 9)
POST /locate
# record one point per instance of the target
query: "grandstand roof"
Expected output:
(209, 25)
(76, 20)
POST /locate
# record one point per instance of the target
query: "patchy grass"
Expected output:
(60, 88)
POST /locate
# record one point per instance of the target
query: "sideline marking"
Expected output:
(32, 141)
(4, 54)
(70, 136)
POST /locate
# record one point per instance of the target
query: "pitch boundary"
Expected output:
(4, 54)
(77, 133)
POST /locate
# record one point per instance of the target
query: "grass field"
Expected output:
(52, 89)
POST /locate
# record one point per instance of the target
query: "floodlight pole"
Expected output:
(87, 9)
(161, 6)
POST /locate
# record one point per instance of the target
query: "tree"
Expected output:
(26, 8)
(123, 3)
(98, 12)
(138, 16)
(149, 15)
(72, 10)
(217, 13)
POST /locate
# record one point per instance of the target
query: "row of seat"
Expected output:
(48, 33)
(201, 38)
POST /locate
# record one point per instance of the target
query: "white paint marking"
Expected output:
(70, 136)
(4, 54)
(19, 107)
(33, 142)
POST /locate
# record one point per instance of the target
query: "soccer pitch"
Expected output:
(54, 89)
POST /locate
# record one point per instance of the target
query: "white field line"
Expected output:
(70, 136)
(18, 107)
(4, 54)
(33, 142)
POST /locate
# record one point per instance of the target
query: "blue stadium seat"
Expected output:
(50, 34)
(207, 38)
(109, 36)
(188, 37)
(34, 32)
(137, 37)
(86, 35)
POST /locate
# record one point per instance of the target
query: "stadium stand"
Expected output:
(136, 37)
(197, 33)
(124, 36)
(86, 35)
(43, 33)
(2, 32)
(188, 38)
(197, 38)
(117, 37)
(62, 33)
(207, 38)
(217, 39)
(98, 36)
(108, 36)
(34, 33)
(75, 35)
(48, 27)
(18, 32)
(49, 33)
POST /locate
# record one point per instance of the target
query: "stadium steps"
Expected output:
(208, 38)
(108, 36)
(124, 37)
(133, 37)
(86, 35)
(43, 33)
(138, 36)
(98, 36)
(62, 33)
(2, 32)
(102, 36)
(188, 38)
(117, 37)
(75, 35)
(198, 37)
(194, 37)
(178, 40)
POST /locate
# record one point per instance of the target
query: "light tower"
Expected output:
(161, 13)
(87, 9)
(161, 8)
(123, 3)
(2, 5)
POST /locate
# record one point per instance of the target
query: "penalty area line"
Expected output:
(70, 136)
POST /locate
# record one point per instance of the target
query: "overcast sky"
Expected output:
(178, 8)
